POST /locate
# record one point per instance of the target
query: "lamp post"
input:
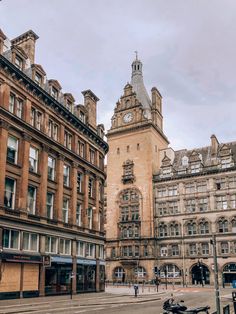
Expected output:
(217, 294)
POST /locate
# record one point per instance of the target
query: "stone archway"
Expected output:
(229, 273)
(200, 274)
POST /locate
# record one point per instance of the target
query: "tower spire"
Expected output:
(136, 53)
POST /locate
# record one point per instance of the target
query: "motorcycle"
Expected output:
(175, 308)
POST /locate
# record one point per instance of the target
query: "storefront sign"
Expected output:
(61, 260)
(21, 258)
(47, 261)
(86, 261)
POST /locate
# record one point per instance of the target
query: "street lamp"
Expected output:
(217, 295)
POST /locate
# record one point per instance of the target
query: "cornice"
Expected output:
(31, 86)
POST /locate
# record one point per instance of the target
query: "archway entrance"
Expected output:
(200, 274)
(229, 273)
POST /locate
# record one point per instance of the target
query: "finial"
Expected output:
(136, 53)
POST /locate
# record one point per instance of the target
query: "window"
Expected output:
(67, 139)
(78, 215)
(81, 149)
(226, 163)
(36, 118)
(192, 249)
(11, 239)
(51, 168)
(190, 188)
(80, 248)
(221, 202)
(100, 192)
(38, 79)
(172, 190)
(174, 249)
(65, 210)
(223, 225)
(101, 251)
(53, 129)
(204, 227)
(201, 187)
(169, 271)
(174, 229)
(124, 213)
(16, 105)
(233, 201)
(162, 192)
(69, 105)
(31, 201)
(203, 204)
(163, 231)
(19, 62)
(140, 272)
(232, 182)
(49, 204)
(33, 159)
(224, 247)
(90, 187)
(12, 149)
(54, 92)
(113, 252)
(90, 218)
(136, 251)
(51, 244)
(100, 221)
(166, 172)
(79, 182)
(101, 162)
(173, 207)
(92, 156)
(190, 206)
(119, 273)
(145, 250)
(162, 210)
(185, 161)
(30, 241)
(134, 212)
(221, 184)
(90, 250)
(195, 168)
(9, 195)
(191, 228)
(163, 251)
(65, 247)
(127, 251)
(66, 175)
(82, 116)
(205, 248)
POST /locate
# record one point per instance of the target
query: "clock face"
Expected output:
(128, 117)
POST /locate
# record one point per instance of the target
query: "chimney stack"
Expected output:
(214, 145)
(90, 103)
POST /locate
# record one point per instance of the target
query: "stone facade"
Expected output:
(51, 180)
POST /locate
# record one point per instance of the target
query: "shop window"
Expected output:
(10, 191)
(78, 215)
(67, 139)
(90, 250)
(30, 241)
(31, 200)
(11, 239)
(33, 159)
(66, 175)
(49, 205)
(12, 149)
(65, 210)
(51, 244)
(65, 247)
(80, 248)
(51, 168)
(169, 271)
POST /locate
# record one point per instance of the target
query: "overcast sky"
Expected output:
(188, 50)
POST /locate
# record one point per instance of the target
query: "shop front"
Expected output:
(19, 275)
(229, 274)
(58, 276)
(86, 275)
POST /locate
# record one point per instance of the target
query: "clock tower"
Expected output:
(135, 138)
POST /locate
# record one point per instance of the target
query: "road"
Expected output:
(114, 301)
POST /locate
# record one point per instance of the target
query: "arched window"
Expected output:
(124, 232)
(191, 228)
(130, 232)
(119, 272)
(203, 227)
(223, 225)
(174, 229)
(140, 272)
(233, 224)
(162, 230)
(169, 271)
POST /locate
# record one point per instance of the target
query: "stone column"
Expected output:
(59, 193)
(43, 169)
(73, 201)
(4, 127)
(22, 204)
(42, 268)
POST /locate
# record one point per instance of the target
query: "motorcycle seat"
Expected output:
(197, 309)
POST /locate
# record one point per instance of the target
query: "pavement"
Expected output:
(116, 299)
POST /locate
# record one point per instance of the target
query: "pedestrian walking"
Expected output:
(135, 290)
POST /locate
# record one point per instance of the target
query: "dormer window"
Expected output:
(38, 78)
(226, 163)
(185, 161)
(19, 62)
(82, 116)
(54, 92)
(69, 105)
(195, 168)
(166, 172)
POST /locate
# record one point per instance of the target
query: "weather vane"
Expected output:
(136, 52)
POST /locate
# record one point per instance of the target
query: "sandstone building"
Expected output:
(163, 205)
(51, 180)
